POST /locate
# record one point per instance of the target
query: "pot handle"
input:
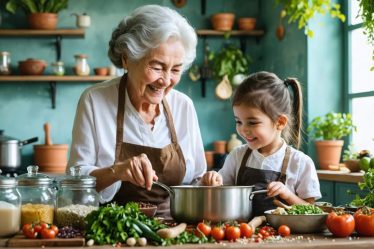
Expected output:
(167, 188)
(262, 191)
(28, 141)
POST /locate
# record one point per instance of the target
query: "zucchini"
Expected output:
(147, 232)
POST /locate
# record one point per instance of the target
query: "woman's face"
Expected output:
(151, 78)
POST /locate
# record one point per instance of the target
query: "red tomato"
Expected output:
(48, 233)
(232, 233)
(44, 225)
(284, 231)
(340, 225)
(218, 233)
(29, 231)
(37, 228)
(245, 230)
(364, 219)
(54, 228)
(203, 228)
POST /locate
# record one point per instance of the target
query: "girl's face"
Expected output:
(151, 78)
(257, 129)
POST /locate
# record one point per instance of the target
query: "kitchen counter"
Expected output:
(340, 176)
(306, 241)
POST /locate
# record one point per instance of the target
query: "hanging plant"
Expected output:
(301, 11)
(367, 14)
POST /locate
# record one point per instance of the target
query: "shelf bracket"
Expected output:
(243, 46)
(58, 47)
(52, 89)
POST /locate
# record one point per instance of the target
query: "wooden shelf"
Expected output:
(210, 32)
(37, 32)
(340, 176)
(65, 78)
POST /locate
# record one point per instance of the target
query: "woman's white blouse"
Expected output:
(301, 173)
(94, 132)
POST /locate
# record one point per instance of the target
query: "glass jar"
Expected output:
(58, 68)
(76, 198)
(81, 65)
(10, 207)
(4, 63)
(38, 198)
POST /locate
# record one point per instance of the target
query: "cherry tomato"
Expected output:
(284, 231)
(218, 233)
(29, 232)
(364, 220)
(340, 225)
(54, 228)
(232, 233)
(48, 233)
(203, 228)
(245, 230)
(44, 225)
(38, 228)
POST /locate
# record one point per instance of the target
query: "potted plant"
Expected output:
(351, 158)
(42, 14)
(328, 131)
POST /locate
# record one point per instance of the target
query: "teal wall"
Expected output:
(25, 107)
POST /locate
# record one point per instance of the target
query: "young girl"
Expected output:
(268, 115)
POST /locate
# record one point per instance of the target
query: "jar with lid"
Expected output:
(10, 207)
(76, 198)
(81, 65)
(4, 63)
(38, 197)
(58, 68)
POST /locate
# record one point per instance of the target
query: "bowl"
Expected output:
(32, 67)
(148, 209)
(300, 223)
(101, 71)
(247, 23)
(352, 165)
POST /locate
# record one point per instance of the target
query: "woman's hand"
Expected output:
(278, 188)
(137, 170)
(211, 178)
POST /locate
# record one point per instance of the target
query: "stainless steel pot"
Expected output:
(10, 151)
(193, 204)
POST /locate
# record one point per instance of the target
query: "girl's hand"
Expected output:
(278, 188)
(137, 170)
(211, 178)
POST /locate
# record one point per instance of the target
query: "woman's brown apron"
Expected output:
(168, 162)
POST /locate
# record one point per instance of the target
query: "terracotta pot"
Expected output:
(32, 67)
(329, 152)
(223, 21)
(43, 20)
(220, 147)
(101, 70)
(247, 23)
(209, 159)
(51, 158)
(352, 165)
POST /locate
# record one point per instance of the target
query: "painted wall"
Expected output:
(25, 107)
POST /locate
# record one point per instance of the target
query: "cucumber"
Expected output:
(147, 232)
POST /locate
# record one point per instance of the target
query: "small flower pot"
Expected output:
(247, 23)
(223, 21)
(101, 71)
(43, 21)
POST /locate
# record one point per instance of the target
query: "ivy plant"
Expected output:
(367, 14)
(301, 11)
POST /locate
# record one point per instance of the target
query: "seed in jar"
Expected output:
(73, 215)
(36, 213)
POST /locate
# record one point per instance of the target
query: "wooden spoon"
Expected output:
(47, 128)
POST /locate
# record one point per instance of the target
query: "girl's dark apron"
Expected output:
(248, 176)
(168, 162)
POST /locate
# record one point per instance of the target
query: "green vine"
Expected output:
(367, 14)
(302, 11)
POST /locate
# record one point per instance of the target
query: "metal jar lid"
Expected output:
(75, 179)
(7, 182)
(33, 178)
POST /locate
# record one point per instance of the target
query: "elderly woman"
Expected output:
(134, 130)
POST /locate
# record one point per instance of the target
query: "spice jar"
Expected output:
(10, 207)
(81, 65)
(58, 68)
(4, 63)
(76, 198)
(38, 198)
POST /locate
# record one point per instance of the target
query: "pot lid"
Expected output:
(75, 179)
(7, 139)
(7, 182)
(33, 178)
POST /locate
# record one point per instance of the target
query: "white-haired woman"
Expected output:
(133, 130)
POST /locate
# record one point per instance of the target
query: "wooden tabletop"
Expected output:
(340, 176)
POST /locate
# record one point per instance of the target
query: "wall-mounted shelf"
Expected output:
(52, 81)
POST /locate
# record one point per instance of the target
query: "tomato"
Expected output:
(203, 228)
(48, 233)
(44, 225)
(37, 228)
(232, 233)
(340, 225)
(218, 233)
(284, 231)
(364, 219)
(245, 230)
(29, 232)
(54, 228)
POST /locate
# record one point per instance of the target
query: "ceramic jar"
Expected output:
(32, 67)
(233, 143)
(58, 68)
(4, 63)
(81, 65)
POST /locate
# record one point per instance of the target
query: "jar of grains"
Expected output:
(10, 207)
(38, 198)
(76, 198)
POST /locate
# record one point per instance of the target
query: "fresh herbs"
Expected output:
(367, 185)
(304, 209)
